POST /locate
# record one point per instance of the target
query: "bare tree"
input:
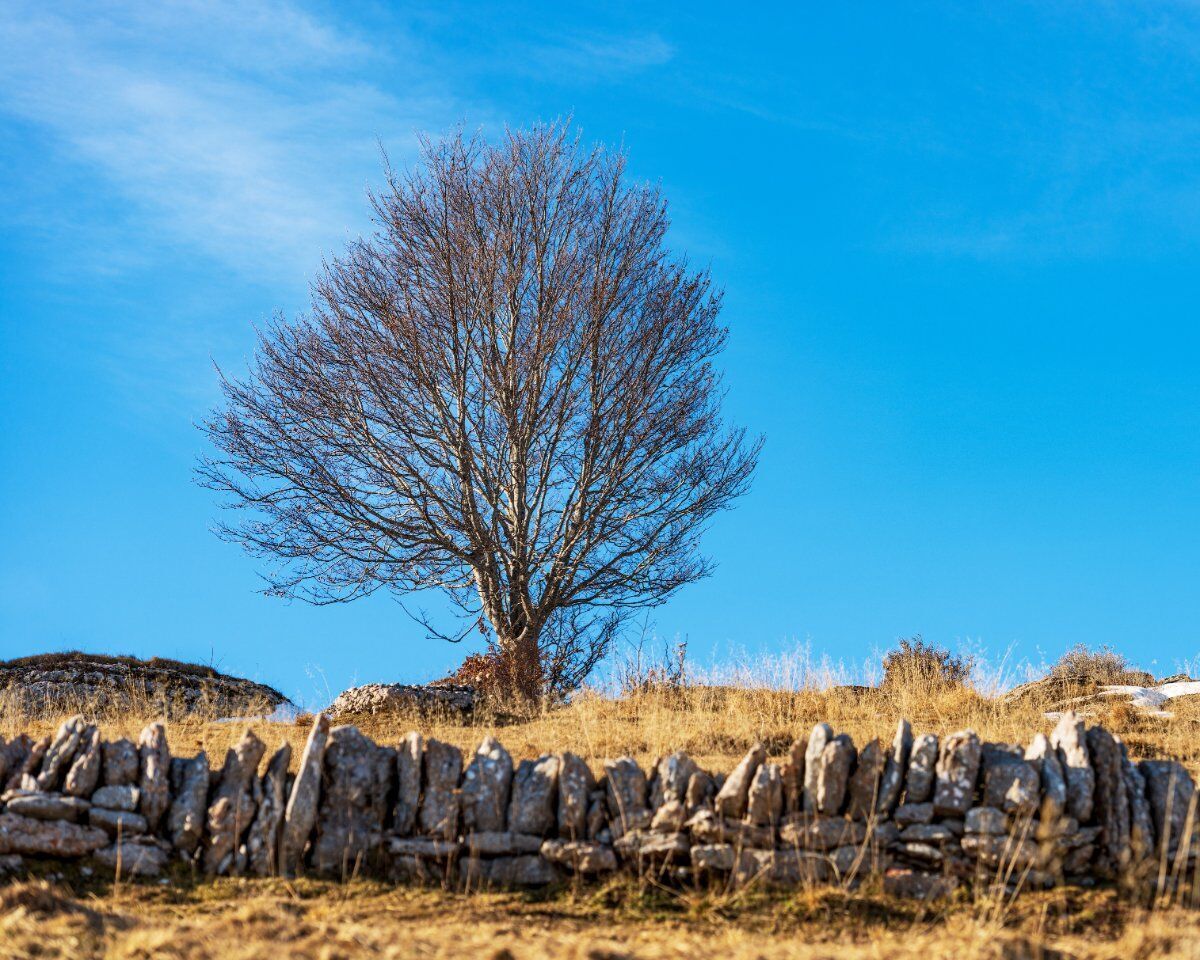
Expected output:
(506, 392)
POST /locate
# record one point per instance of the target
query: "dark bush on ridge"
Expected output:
(917, 663)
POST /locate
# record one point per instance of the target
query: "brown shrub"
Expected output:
(915, 663)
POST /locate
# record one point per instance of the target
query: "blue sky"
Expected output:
(959, 245)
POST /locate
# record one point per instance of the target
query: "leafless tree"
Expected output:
(506, 392)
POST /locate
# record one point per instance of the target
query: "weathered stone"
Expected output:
(11, 864)
(534, 796)
(884, 832)
(22, 774)
(822, 833)
(12, 757)
(442, 766)
(713, 856)
(792, 773)
(662, 847)
(922, 761)
(1053, 781)
(923, 854)
(355, 790)
(864, 789)
(1013, 787)
(669, 818)
(706, 827)
(440, 700)
(433, 848)
(1111, 802)
(300, 816)
(915, 885)
(957, 770)
(821, 734)
(987, 820)
(1171, 793)
(1002, 851)
(48, 806)
(908, 813)
(133, 858)
(672, 775)
(926, 833)
(701, 790)
(857, 861)
(626, 793)
(47, 838)
(597, 816)
(408, 783)
(1141, 820)
(580, 856)
(485, 788)
(782, 868)
(233, 804)
(262, 842)
(764, 804)
(833, 774)
(189, 806)
(575, 784)
(734, 794)
(154, 770)
(60, 754)
(892, 781)
(120, 763)
(522, 871)
(122, 823)
(497, 843)
(116, 798)
(84, 772)
(1070, 740)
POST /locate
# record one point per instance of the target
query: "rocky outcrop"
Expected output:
(433, 700)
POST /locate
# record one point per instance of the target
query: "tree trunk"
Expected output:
(520, 665)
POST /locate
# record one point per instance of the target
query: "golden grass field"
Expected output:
(91, 917)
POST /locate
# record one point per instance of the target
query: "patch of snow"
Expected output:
(284, 713)
(1151, 699)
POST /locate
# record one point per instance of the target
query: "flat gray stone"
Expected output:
(1141, 820)
(734, 793)
(503, 843)
(523, 871)
(534, 806)
(892, 782)
(821, 734)
(120, 763)
(822, 833)
(1070, 740)
(1169, 789)
(60, 754)
(358, 782)
(441, 769)
(84, 772)
(233, 805)
(764, 804)
(117, 798)
(133, 859)
(123, 823)
(1111, 802)
(48, 806)
(485, 788)
(671, 777)
(833, 774)
(1013, 787)
(154, 771)
(408, 783)
(922, 764)
(189, 807)
(575, 785)
(987, 820)
(865, 784)
(957, 771)
(47, 838)
(300, 815)
(262, 841)
(579, 856)
(1053, 780)
(626, 794)
(908, 813)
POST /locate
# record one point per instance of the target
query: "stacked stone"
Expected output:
(925, 813)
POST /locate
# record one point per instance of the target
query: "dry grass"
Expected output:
(717, 721)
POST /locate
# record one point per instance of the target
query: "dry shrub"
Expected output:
(1096, 668)
(917, 664)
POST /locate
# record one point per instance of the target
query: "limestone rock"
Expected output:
(987, 820)
(643, 846)
(12, 758)
(626, 793)
(1141, 820)
(233, 805)
(300, 815)
(120, 763)
(84, 772)
(153, 783)
(131, 858)
(821, 734)
(189, 807)
(22, 773)
(1070, 740)
(706, 827)
(918, 885)
(580, 856)
(927, 833)
(523, 871)
(792, 773)
(1171, 793)
(669, 818)
(262, 842)
(117, 798)
(957, 770)
(442, 767)
(1111, 802)
(433, 848)
(701, 791)
(922, 761)
(672, 775)
(908, 813)
(894, 769)
(575, 784)
(122, 823)
(833, 774)
(437, 700)
(355, 790)
(1007, 852)
(47, 806)
(485, 788)
(865, 784)
(60, 754)
(47, 838)
(822, 833)
(533, 808)
(500, 843)
(1013, 787)
(734, 793)
(719, 857)
(408, 783)
(1053, 780)
(764, 804)
(597, 815)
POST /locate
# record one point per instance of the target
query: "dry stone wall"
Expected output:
(926, 814)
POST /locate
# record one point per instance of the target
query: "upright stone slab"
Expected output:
(233, 805)
(892, 781)
(262, 842)
(84, 773)
(833, 774)
(120, 763)
(626, 793)
(1141, 820)
(1014, 787)
(60, 754)
(442, 767)
(300, 816)
(701, 791)
(575, 784)
(355, 791)
(1053, 781)
(408, 783)
(154, 772)
(672, 774)
(865, 784)
(485, 788)
(1111, 801)
(533, 808)
(792, 773)
(733, 795)
(1171, 794)
(922, 769)
(189, 806)
(957, 771)
(21, 775)
(764, 804)
(821, 734)
(1070, 740)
